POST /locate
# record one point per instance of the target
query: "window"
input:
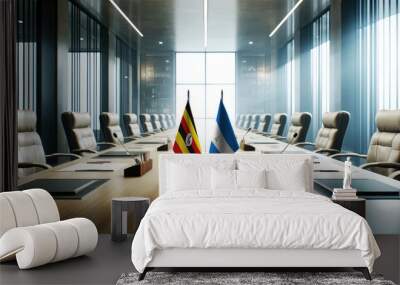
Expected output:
(85, 64)
(205, 75)
(388, 56)
(320, 69)
(378, 49)
(290, 78)
(26, 54)
(125, 72)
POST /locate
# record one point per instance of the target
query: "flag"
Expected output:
(186, 140)
(224, 140)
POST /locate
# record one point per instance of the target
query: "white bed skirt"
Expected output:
(178, 257)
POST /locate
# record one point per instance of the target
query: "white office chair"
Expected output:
(31, 231)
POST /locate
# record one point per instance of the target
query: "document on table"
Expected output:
(94, 167)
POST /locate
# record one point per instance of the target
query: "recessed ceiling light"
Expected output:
(251, 42)
(82, 39)
(126, 17)
(20, 22)
(167, 61)
(244, 61)
(126, 77)
(160, 43)
(285, 18)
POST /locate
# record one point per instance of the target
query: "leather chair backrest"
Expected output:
(30, 148)
(334, 128)
(240, 121)
(78, 131)
(26, 208)
(109, 123)
(170, 122)
(254, 121)
(163, 121)
(263, 125)
(300, 125)
(155, 120)
(145, 120)
(279, 124)
(385, 142)
(131, 125)
(247, 121)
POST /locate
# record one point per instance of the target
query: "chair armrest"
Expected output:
(83, 150)
(304, 144)
(346, 154)
(72, 155)
(381, 164)
(31, 164)
(327, 150)
(395, 175)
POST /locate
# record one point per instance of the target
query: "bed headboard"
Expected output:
(213, 159)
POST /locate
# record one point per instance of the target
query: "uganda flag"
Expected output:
(186, 140)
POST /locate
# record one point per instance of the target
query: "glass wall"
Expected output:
(320, 69)
(26, 54)
(253, 88)
(205, 75)
(85, 64)
(157, 83)
(126, 78)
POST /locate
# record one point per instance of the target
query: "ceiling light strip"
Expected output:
(126, 17)
(205, 15)
(286, 17)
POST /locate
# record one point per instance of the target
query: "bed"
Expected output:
(247, 211)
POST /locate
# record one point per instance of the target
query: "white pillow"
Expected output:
(292, 177)
(182, 177)
(223, 179)
(284, 172)
(251, 179)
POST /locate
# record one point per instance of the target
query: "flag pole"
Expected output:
(188, 94)
(222, 94)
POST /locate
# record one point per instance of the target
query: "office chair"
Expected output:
(240, 121)
(278, 126)
(147, 126)
(255, 118)
(300, 124)
(263, 125)
(155, 121)
(246, 122)
(330, 137)
(109, 124)
(131, 125)
(79, 134)
(31, 156)
(384, 149)
(163, 121)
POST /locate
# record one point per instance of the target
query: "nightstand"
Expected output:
(355, 205)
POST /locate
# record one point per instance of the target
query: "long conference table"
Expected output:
(382, 211)
(382, 193)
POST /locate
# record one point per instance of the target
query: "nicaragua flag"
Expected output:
(224, 140)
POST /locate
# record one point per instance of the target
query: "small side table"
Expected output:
(119, 215)
(355, 205)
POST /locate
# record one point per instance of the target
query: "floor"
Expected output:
(111, 259)
(103, 266)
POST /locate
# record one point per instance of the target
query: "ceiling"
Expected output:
(232, 24)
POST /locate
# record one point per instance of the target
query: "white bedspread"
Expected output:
(250, 219)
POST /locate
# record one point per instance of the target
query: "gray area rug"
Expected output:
(229, 278)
